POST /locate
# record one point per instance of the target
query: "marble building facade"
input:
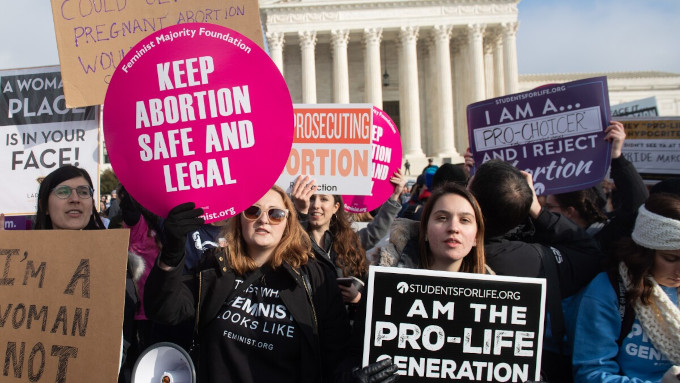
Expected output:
(422, 61)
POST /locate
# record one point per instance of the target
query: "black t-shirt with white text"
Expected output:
(254, 338)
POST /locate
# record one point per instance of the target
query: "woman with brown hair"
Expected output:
(644, 288)
(66, 202)
(264, 309)
(449, 236)
(580, 206)
(334, 242)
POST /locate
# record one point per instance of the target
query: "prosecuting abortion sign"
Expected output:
(332, 144)
(39, 134)
(555, 132)
(438, 325)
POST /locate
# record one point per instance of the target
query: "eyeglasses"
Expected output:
(275, 215)
(64, 191)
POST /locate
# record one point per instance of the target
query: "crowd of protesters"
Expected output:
(611, 262)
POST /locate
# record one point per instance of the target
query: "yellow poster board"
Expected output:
(94, 36)
(653, 144)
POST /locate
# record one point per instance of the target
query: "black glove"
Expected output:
(129, 208)
(181, 220)
(379, 372)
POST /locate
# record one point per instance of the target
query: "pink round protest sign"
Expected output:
(198, 112)
(386, 144)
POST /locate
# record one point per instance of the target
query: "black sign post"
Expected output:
(440, 326)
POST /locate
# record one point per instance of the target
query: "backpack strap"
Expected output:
(309, 291)
(625, 310)
(553, 294)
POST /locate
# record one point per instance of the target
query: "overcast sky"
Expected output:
(555, 36)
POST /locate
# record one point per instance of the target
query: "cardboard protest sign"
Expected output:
(440, 326)
(555, 132)
(39, 134)
(202, 115)
(61, 304)
(645, 107)
(386, 158)
(653, 144)
(93, 37)
(332, 144)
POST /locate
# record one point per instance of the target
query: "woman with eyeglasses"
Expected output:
(264, 309)
(66, 202)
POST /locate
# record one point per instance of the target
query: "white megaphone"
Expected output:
(164, 362)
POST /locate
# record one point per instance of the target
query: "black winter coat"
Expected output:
(171, 298)
(553, 238)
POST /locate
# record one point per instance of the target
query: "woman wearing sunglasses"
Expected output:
(334, 242)
(265, 310)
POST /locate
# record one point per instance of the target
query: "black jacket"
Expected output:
(631, 194)
(171, 298)
(553, 238)
(368, 236)
(551, 247)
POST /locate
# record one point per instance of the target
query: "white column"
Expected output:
(446, 145)
(476, 52)
(459, 88)
(372, 73)
(307, 44)
(276, 42)
(403, 111)
(339, 40)
(510, 57)
(488, 69)
(410, 101)
(430, 98)
(499, 79)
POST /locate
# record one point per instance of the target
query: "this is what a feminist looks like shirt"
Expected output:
(254, 338)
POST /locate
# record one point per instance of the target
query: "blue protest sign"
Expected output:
(555, 132)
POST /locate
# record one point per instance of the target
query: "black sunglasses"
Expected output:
(275, 215)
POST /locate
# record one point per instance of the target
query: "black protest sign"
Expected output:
(38, 134)
(37, 98)
(440, 325)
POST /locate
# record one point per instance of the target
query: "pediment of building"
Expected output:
(290, 16)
